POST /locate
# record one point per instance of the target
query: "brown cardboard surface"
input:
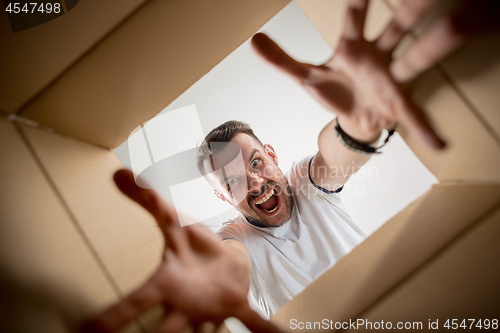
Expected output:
(49, 278)
(472, 152)
(124, 235)
(328, 17)
(460, 283)
(474, 70)
(392, 253)
(147, 62)
(378, 17)
(31, 59)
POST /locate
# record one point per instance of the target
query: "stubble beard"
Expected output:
(286, 213)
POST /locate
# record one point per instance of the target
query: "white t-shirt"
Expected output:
(286, 259)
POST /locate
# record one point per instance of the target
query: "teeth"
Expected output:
(272, 210)
(265, 198)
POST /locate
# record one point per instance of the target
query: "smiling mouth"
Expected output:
(268, 203)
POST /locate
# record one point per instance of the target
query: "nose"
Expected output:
(255, 182)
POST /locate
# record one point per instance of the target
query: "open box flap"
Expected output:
(458, 283)
(50, 276)
(472, 152)
(393, 253)
(32, 59)
(328, 17)
(125, 236)
(145, 64)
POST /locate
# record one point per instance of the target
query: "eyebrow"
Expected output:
(226, 180)
(251, 155)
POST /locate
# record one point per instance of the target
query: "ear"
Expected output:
(271, 153)
(222, 197)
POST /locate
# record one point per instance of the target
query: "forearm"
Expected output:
(239, 249)
(335, 163)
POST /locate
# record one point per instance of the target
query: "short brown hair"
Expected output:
(222, 133)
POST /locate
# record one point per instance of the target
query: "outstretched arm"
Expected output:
(361, 82)
(200, 278)
(356, 84)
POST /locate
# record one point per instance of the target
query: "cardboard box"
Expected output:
(71, 243)
(436, 260)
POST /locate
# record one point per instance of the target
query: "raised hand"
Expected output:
(356, 83)
(469, 19)
(199, 280)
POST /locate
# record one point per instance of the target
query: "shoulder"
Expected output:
(300, 167)
(299, 177)
(231, 229)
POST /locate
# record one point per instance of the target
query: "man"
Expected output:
(291, 228)
(202, 279)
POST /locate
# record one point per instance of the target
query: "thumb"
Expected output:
(147, 198)
(165, 215)
(273, 54)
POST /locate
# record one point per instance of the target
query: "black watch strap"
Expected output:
(356, 146)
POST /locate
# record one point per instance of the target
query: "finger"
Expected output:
(147, 198)
(205, 328)
(164, 214)
(174, 322)
(355, 16)
(408, 14)
(203, 240)
(437, 42)
(124, 311)
(335, 95)
(414, 120)
(272, 53)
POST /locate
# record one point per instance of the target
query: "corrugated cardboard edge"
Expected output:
(52, 272)
(393, 253)
(460, 282)
(141, 68)
(35, 57)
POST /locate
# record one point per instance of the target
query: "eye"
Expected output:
(255, 162)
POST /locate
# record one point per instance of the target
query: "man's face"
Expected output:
(254, 184)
